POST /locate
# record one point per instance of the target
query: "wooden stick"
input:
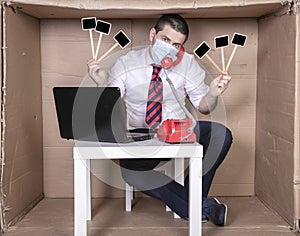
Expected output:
(98, 45)
(214, 64)
(105, 54)
(92, 43)
(223, 59)
(231, 57)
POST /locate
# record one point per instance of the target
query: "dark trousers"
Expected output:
(216, 140)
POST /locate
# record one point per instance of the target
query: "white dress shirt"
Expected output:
(132, 74)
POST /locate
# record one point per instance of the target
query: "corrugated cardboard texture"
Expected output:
(2, 208)
(23, 172)
(65, 51)
(297, 125)
(147, 9)
(275, 114)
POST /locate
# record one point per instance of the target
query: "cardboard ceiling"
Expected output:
(145, 9)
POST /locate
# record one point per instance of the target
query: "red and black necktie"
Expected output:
(154, 102)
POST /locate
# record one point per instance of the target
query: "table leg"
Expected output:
(195, 195)
(88, 191)
(179, 174)
(80, 196)
(129, 197)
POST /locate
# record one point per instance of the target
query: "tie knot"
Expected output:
(156, 68)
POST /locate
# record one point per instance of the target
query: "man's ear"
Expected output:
(152, 34)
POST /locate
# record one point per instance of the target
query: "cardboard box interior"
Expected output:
(42, 51)
(275, 114)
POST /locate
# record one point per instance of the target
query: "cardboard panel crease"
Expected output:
(297, 127)
(2, 61)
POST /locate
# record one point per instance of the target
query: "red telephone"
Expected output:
(176, 131)
(167, 62)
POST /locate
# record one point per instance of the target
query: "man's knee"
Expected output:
(221, 133)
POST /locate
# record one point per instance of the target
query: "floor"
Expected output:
(247, 216)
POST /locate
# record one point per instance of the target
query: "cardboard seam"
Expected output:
(297, 7)
(2, 194)
(294, 6)
(20, 216)
(282, 11)
(296, 228)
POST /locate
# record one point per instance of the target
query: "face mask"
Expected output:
(160, 50)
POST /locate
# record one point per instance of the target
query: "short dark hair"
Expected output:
(175, 21)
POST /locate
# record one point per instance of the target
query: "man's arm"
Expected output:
(209, 102)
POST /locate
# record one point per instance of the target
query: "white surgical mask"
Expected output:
(161, 50)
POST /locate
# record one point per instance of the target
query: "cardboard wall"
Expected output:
(297, 127)
(1, 77)
(61, 49)
(23, 172)
(274, 175)
(65, 50)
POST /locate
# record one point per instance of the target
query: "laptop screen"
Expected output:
(90, 113)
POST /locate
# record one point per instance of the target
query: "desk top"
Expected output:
(152, 148)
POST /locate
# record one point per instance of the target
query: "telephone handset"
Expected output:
(168, 63)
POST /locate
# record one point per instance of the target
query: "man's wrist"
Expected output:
(211, 100)
(212, 95)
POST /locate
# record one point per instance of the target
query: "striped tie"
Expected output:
(154, 102)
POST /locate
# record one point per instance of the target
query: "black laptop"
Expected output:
(94, 114)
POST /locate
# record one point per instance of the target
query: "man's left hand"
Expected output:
(220, 84)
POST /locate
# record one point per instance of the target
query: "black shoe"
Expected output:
(215, 211)
(204, 218)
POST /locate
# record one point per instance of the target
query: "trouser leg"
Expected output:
(216, 140)
(159, 186)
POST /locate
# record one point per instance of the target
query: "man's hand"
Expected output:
(217, 87)
(96, 72)
(219, 84)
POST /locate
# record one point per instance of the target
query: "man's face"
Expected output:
(168, 35)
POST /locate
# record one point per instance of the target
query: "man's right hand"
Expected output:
(96, 72)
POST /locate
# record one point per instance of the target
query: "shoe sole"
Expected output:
(225, 220)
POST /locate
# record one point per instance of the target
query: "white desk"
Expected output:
(83, 152)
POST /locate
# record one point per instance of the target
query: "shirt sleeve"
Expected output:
(195, 86)
(117, 76)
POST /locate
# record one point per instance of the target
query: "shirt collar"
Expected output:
(149, 59)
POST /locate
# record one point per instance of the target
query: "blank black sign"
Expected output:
(222, 41)
(103, 27)
(88, 23)
(202, 49)
(239, 39)
(122, 39)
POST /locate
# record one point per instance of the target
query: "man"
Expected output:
(141, 76)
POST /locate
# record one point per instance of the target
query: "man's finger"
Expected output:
(226, 77)
(224, 81)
